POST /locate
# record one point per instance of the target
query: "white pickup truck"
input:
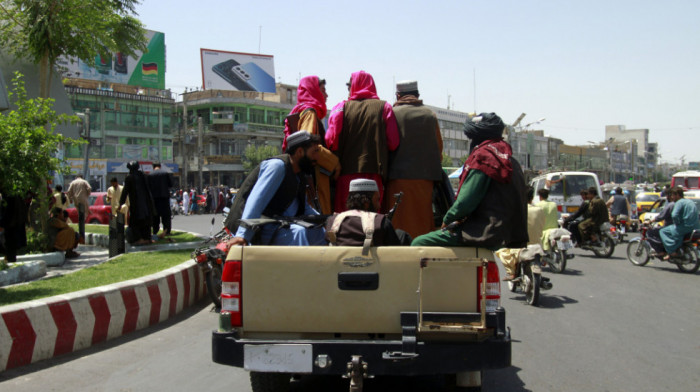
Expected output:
(289, 312)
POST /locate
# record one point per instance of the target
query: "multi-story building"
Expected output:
(530, 149)
(454, 143)
(125, 123)
(647, 152)
(210, 151)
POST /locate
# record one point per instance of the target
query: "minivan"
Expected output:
(565, 187)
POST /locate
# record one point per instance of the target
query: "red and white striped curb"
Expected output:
(36, 330)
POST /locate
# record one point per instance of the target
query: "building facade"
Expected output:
(125, 123)
(217, 126)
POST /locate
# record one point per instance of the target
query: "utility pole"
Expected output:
(200, 152)
(183, 132)
(86, 129)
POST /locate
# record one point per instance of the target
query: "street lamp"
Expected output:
(534, 122)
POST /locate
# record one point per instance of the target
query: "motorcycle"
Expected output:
(559, 242)
(604, 246)
(210, 257)
(619, 230)
(528, 275)
(639, 251)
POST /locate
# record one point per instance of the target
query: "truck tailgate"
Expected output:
(338, 290)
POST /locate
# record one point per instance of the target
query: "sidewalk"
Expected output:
(41, 329)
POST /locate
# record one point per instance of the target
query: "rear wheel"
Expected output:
(637, 252)
(213, 280)
(531, 286)
(94, 221)
(557, 261)
(607, 249)
(269, 382)
(691, 262)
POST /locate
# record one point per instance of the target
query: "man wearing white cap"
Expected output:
(277, 188)
(360, 224)
(416, 164)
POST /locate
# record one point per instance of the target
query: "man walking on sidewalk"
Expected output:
(78, 192)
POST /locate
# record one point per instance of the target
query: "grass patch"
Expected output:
(125, 267)
(176, 236)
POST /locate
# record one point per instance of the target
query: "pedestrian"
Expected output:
(78, 192)
(416, 164)
(62, 237)
(220, 201)
(307, 116)
(491, 206)
(60, 200)
(185, 202)
(114, 193)
(159, 183)
(141, 209)
(361, 132)
(13, 224)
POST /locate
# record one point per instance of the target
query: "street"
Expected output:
(606, 325)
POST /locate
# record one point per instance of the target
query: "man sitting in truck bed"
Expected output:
(360, 225)
(277, 188)
(491, 207)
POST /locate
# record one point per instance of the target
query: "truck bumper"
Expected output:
(383, 357)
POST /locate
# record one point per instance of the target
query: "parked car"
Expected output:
(98, 212)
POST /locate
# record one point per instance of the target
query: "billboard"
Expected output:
(237, 71)
(144, 70)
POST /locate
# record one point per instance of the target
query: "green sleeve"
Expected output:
(470, 196)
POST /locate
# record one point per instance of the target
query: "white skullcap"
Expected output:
(363, 185)
(406, 86)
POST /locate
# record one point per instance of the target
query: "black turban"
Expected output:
(485, 126)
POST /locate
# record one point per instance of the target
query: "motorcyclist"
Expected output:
(572, 222)
(618, 204)
(598, 215)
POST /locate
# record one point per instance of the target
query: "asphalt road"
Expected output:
(606, 325)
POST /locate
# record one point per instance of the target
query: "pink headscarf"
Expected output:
(362, 86)
(309, 96)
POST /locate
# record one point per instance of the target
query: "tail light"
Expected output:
(231, 291)
(493, 287)
(201, 258)
(559, 208)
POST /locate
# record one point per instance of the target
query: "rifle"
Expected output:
(391, 212)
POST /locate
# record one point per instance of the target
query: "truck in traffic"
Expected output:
(290, 312)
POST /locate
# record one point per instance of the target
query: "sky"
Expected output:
(579, 65)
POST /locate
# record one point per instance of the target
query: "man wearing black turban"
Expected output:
(491, 206)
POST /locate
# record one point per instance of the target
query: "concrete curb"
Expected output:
(23, 271)
(36, 330)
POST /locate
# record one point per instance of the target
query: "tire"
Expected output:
(95, 221)
(531, 286)
(269, 382)
(608, 247)
(638, 252)
(557, 261)
(213, 280)
(690, 254)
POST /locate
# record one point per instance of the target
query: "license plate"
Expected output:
(571, 209)
(287, 358)
(564, 245)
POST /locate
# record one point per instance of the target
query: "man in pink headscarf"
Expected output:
(361, 132)
(307, 116)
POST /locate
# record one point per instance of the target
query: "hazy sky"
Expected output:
(581, 65)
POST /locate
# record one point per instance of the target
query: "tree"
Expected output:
(253, 155)
(446, 160)
(42, 31)
(28, 149)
